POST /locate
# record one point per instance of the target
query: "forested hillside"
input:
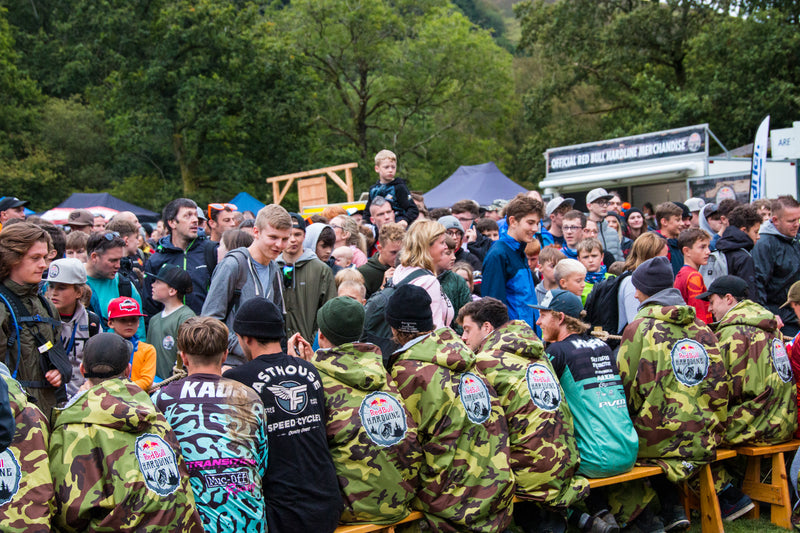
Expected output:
(155, 99)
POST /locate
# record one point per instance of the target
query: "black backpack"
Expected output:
(376, 330)
(602, 304)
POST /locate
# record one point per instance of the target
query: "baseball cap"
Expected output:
(557, 202)
(686, 212)
(793, 295)
(451, 222)
(201, 214)
(80, 217)
(733, 285)
(497, 205)
(695, 204)
(10, 202)
(70, 271)
(561, 301)
(298, 221)
(122, 307)
(175, 277)
(597, 194)
(106, 355)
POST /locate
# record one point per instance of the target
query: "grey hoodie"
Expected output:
(610, 239)
(237, 271)
(666, 297)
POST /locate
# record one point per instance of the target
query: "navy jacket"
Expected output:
(192, 260)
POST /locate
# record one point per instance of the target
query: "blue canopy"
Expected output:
(246, 202)
(80, 200)
(482, 183)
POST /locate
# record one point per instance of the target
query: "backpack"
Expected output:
(54, 354)
(716, 267)
(376, 330)
(602, 307)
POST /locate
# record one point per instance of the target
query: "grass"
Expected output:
(743, 525)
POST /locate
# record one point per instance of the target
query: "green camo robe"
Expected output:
(372, 437)
(675, 383)
(466, 483)
(762, 407)
(28, 499)
(117, 466)
(544, 452)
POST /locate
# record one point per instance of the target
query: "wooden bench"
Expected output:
(637, 472)
(707, 503)
(776, 492)
(386, 528)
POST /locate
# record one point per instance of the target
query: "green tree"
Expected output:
(419, 79)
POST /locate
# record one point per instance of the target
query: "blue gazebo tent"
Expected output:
(246, 202)
(482, 183)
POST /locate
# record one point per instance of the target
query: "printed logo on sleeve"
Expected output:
(158, 464)
(543, 386)
(780, 360)
(475, 397)
(383, 418)
(10, 475)
(689, 362)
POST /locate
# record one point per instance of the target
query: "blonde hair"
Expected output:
(417, 243)
(348, 274)
(463, 266)
(274, 215)
(349, 287)
(646, 246)
(567, 267)
(588, 245)
(385, 154)
(350, 227)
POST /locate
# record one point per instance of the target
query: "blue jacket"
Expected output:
(192, 260)
(506, 276)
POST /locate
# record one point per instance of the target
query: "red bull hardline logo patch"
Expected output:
(689, 362)
(10, 475)
(383, 418)
(780, 360)
(475, 397)
(543, 386)
(158, 464)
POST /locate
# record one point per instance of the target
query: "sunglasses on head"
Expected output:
(221, 207)
(111, 235)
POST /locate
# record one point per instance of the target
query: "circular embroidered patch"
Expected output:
(780, 360)
(54, 270)
(689, 362)
(168, 343)
(158, 464)
(383, 418)
(475, 397)
(543, 386)
(10, 475)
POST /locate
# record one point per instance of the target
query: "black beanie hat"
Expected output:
(654, 275)
(259, 318)
(409, 310)
(631, 211)
(341, 320)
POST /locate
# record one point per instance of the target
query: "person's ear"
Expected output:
(82, 369)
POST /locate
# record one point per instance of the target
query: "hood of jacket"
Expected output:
(165, 245)
(734, 239)
(515, 337)
(442, 348)
(312, 235)
(357, 365)
(114, 403)
(768, 228)
(305, 257)
(24, 290)
(748, 313)
(668, 306)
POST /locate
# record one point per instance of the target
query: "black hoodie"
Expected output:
(736, 246)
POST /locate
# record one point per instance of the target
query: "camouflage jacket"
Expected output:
(675, 383)
(372, 438)
(115, 467)
(26, 488)
(762, 406)
(544, 452)
(466, 483)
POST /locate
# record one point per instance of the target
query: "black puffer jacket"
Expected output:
(777, 263)
(737, 245)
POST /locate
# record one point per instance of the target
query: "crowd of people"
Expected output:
(225, 370)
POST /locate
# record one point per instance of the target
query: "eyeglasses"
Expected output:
(454, 233)
(590, 231)
(464, 219)
(335, 226)
(221, 207)
(288, 276)
(602, 203)
(570, 229)
(111, 235)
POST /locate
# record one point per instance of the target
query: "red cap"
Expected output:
(123, 306)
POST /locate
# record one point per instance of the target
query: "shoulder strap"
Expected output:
(210, 255)
(414, 275)
(241, 278)
(94, 323)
